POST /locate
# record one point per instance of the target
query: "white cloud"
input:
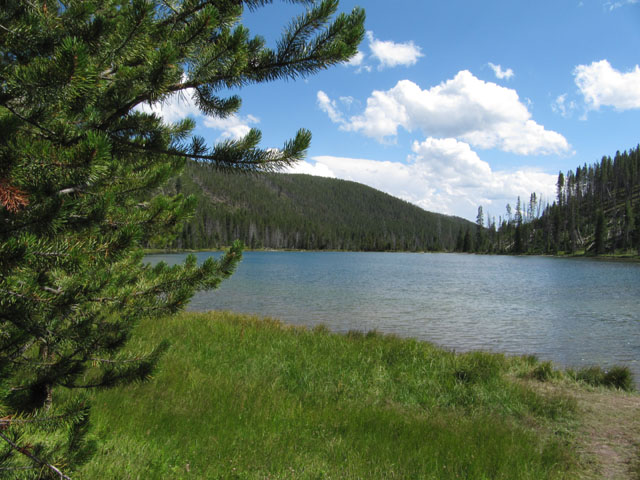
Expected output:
(442, 175)
(347, 101)
(329, 107)
(602, 85)
(181, 105)
(392, 54)
(563, 107)
(177, 107)
(501, 74)
(484, 114)
(234, 126)
(356, 60)
(613, 5)
(386, 54)
(318, 169)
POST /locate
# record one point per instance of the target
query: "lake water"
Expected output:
(575, 312)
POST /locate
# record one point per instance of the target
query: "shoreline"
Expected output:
(628, 258)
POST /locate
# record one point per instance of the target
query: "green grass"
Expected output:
(241, 397)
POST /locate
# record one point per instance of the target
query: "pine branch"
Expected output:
(51, 136)
(25, 451)
(130, 36)
(182, 16)
(21, 350)
(240, 154)
(7, 422)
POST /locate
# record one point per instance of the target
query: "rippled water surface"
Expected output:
(573, 311)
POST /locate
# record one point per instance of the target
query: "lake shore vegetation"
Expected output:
(244, 397)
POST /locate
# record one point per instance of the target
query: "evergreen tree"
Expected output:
(467, 244)
(480, 234)
(600, 233)
(518, 246)
(636, 230)
(460, 241)
(560, 188)
(629, 226)
(77, 160)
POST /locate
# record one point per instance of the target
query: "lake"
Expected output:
(573, 311)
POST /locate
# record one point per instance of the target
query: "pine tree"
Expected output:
(629, 226)
(518, 244)
(77, 160)
(480, 233)
(600, 236)
(467, 245)
(636, 230)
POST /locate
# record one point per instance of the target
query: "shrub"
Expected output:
(619, 377)
(591, 376)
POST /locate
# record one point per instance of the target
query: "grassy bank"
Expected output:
(240, 397)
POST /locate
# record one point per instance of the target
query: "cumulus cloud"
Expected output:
(234, 126)
(441, 175)
(602, 85)
(318, 169)
(501, 74)
(385, 54)
(392, 54)
(483, 114)
(181, 105)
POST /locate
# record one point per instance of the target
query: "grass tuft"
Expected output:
(619, 377)
(544, 372)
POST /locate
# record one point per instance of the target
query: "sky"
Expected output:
(455, 104)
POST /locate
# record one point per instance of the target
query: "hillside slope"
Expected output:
(279, 210)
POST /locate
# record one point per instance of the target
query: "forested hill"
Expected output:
(279, 210)
(596, 211)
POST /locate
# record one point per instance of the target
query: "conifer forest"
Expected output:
(596, 211)
(286, 211)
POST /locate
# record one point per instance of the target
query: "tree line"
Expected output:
(596, 211)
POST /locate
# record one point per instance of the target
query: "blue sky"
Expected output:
(454, 104)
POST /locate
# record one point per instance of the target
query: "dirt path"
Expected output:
(609, 436)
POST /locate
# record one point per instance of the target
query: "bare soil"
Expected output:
(607, 431)
(609, 434)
